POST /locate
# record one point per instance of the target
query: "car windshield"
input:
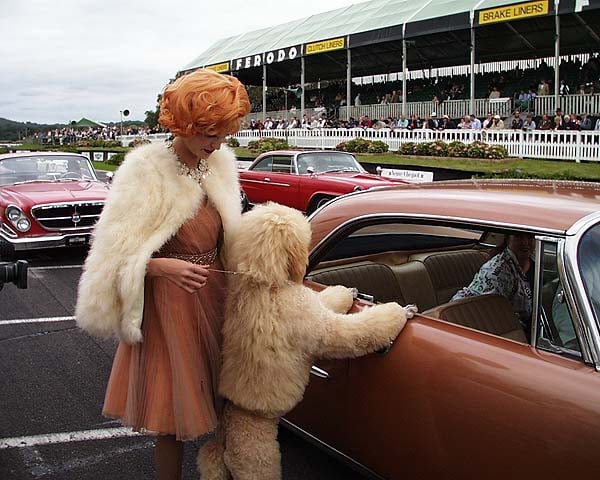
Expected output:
(328, 162)
(45, 168)
(589, 267)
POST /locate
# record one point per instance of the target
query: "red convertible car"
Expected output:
(47, 199)
(306, 180)
(467, 391)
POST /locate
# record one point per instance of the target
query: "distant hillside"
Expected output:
(11, 131)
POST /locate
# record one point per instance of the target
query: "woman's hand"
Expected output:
(186, 275)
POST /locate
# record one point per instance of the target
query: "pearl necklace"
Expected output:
(197, 174)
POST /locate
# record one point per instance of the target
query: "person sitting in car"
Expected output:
(508, 273)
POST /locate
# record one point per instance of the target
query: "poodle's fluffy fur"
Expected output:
(274, 329)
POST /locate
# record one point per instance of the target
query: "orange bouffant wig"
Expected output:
(204, 102)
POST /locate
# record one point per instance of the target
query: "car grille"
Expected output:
(67, 216)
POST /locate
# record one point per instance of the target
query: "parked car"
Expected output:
(465, 391)
(306, 180)
(47, 200)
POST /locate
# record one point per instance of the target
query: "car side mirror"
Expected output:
(379, 170)
(109, 176)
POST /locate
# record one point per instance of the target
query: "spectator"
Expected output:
(529, 123)
(517, 123)
(446, 123)
(559, 123)
(495, 93)
(547, 123)
(497, 123)
(487, 123)
(571, 122)
(402, 122)
(510, 273)
(465, 123)
(475, 122)
(564, 88)
(357, 102)
(597, 126)
(586, 122)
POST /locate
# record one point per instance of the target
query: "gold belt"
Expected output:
(205, 258)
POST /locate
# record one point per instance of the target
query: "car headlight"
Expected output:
(18, 218)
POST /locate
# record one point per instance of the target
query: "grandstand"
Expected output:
(456, 50)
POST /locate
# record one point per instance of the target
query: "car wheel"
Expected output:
(318, 202)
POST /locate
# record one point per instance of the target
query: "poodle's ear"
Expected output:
(271, 244)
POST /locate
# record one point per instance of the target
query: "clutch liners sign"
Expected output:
(325, 46)
(513, 12)
(219, 67)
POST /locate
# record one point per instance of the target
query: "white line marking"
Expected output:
(54, 267)
(67, 437)
(17, 321)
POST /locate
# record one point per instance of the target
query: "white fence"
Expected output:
(543, 144)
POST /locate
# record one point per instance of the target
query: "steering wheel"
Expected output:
(72, 175)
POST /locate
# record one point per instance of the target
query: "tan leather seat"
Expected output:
(374, 279)
(487, 313)
(415, 284)
(450, 271)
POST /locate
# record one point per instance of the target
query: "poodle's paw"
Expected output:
(210, 463)
(393, 316)
(338, 298)
(410, 311)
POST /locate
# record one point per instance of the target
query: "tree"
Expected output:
(152, 115)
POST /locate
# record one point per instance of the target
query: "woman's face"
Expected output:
(201, 145)
(522, 245)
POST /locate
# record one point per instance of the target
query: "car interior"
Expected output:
(426, 265)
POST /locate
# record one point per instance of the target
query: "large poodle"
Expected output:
(274, 329)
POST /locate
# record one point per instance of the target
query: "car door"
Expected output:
(277, 184)
(449, 401)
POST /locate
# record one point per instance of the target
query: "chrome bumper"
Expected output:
(47, 241)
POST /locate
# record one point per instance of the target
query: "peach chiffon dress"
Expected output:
(168, 383)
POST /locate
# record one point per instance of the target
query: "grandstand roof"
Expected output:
(439, 33)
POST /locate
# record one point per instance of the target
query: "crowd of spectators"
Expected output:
(71, 135)
(522, 86)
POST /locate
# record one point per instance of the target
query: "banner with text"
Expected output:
(274, 56)
(325, 46)
(518, 11)
(219, 67)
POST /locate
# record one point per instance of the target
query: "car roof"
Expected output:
(296, 152)
(38, 153)
(548, 206)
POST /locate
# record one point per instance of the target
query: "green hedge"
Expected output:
(267, 144)
(454, 149)
(361, 145)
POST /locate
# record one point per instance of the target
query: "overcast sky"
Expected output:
(66, 59)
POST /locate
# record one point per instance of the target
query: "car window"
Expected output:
(282, 164)
(44, 168)
(555, 322)
(589, 268)
(322, 162)
(435, 266)
(264, 165)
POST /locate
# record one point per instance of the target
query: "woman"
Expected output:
(154, 272)
(510, 274)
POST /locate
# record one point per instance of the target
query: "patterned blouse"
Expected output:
(501, 275)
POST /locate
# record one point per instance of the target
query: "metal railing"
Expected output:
(569, 104)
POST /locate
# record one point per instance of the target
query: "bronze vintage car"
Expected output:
(463, 393)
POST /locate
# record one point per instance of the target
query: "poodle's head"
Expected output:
(271, 244)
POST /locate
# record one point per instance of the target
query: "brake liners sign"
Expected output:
(325, 46)
(219, 67)
(514, 12)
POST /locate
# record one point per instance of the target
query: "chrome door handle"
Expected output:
(267, 179)
(317, 372)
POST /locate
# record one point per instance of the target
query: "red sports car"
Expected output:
(306, 180)
(47, 199)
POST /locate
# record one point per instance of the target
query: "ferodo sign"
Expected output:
(267, 58)
(514, 12)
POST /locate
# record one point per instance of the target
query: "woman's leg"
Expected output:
(168, 454)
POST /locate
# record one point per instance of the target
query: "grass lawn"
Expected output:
(509, 168)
